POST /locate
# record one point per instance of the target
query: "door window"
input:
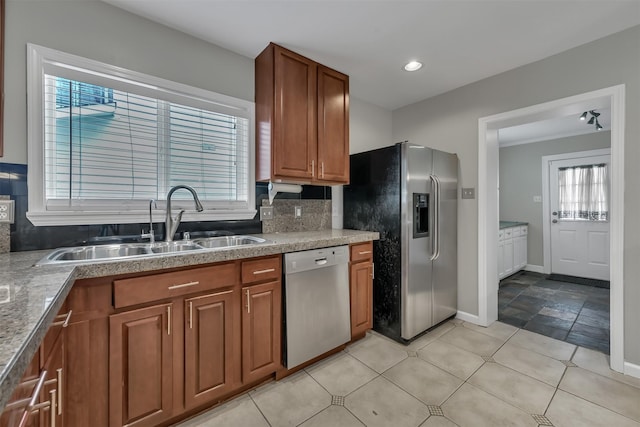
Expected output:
(583, 193)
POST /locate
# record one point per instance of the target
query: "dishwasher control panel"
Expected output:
(296, 262)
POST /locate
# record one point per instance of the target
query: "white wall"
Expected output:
(369, 126)
(521, 179)
(450, 122)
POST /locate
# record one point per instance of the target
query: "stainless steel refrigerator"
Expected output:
(409, 194)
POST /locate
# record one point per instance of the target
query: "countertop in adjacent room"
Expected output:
(30, 297)
(509, 224)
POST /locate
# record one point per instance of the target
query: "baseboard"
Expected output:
(534, 268)
(632, 369)
(471, 318)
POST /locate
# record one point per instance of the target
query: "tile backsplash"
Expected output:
(24, 236)
(315, 216)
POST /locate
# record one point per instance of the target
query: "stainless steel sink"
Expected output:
(119, 251)
(83, 253)
(226, 241)
(175, 246)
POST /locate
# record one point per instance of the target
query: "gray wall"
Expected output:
(369, 125)
(521, 179)
(450, 122)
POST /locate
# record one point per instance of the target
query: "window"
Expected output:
(103, 141)
(583, 193)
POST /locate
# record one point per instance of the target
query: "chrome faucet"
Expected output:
(150, 235)
(170, 223)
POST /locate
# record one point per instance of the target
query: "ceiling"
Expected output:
(459, 41)
(558, 127)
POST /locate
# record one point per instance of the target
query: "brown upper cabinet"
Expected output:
(302, 119)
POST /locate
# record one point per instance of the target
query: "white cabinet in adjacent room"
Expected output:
(512, 250)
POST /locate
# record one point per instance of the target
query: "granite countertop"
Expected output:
(30, 297)
(509, 224)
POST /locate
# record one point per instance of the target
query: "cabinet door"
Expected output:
(261, 328)
(140, 374)
(500, 259)
(518, 253)
(294, 121)
(210, 350)
(361, 298)
(52, 392)
(333, 126)
(508, 256)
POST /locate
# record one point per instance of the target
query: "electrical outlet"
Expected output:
(266, 212)
(297, 212)
(469, 193)
(537, 199)
(7, 209)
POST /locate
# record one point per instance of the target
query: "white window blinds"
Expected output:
(113, 139)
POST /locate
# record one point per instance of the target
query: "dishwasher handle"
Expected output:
(321, 261)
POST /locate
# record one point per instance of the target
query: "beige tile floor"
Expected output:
(459, 374)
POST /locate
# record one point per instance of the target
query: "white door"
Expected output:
(579, 203)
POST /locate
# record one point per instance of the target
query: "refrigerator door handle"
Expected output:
(435, 231)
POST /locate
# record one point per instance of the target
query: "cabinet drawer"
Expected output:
(140, 290)
(508, 233)
(515, 231)
(259, 270)
(362, 251)
(500, 235)
(524, 230)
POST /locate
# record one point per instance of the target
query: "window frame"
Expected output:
(40, 61)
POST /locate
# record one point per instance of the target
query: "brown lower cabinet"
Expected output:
(261, 326)
(179, 342)
(147, 350)
(141, 366)
(38, 400)
(211, 347)
(361, 286)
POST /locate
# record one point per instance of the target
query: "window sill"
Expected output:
(49, 218)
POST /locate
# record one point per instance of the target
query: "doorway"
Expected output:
(488, 206)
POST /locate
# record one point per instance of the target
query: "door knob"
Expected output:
(554, 213)
(554, 221)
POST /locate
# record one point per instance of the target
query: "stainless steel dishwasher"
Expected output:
(317, 313)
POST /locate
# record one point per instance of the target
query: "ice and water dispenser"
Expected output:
(420, 215)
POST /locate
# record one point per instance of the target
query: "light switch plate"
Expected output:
(7, 209)
(266, 212)
(469, 193)
(297, 212)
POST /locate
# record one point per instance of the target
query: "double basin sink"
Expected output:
(129, 250)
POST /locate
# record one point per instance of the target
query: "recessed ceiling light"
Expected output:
(413, 66)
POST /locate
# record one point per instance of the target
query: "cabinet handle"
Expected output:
(268, 270)
(64, 323)
(373, 271)
(248, 302)
(168, 320)
(60, 388)
(322, 169)
(53, 411)
(313, 168)
(32, 406)
(364, 252)
(190, 314)
(183, 285)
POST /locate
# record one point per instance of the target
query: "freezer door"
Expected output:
(416, 293)
(445, 266)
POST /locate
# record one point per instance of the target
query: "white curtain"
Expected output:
(583, 193)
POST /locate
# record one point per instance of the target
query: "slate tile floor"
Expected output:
(578, 314)
(459, 374)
